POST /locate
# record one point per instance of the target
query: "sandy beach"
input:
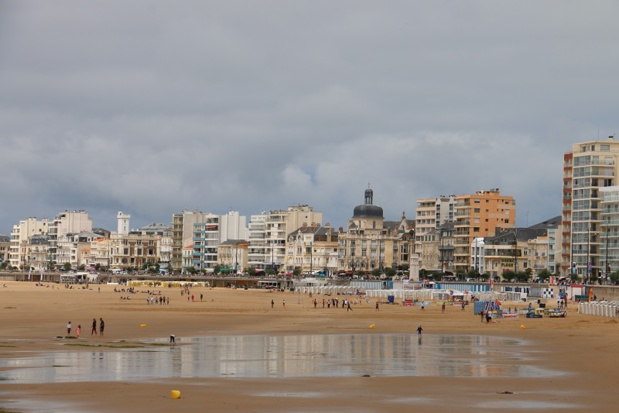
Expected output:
(34, 317)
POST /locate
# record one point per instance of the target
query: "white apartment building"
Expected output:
(431, 213)
(589, 167)
(67, 222)
(268, 234)
(610, 229)
(20, 239)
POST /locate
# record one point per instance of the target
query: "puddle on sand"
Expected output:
(525, 404)
(339, 355)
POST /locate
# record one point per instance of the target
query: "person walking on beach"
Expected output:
(376, 305)
(284, 303)
(101, 327)
(443, 307)
(94, 327)
(272, 303)
(78, 330)
(419, 330)
(69, 328)
(481, 314)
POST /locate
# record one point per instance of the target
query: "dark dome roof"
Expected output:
(368, 211)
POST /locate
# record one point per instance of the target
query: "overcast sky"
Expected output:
(152, 107)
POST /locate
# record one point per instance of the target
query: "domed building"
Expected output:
(371, 243)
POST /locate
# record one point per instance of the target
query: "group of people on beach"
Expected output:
(93, 331)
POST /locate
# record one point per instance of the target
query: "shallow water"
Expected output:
(345, 355)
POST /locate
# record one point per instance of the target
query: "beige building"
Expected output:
(232, 256)
(480, 215)
(134, 249)
(371, 243)
(313, 250)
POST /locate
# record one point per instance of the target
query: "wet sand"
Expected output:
(33, 317)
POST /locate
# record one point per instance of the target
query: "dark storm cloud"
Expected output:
(152, 107)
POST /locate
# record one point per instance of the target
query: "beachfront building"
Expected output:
(430, 214)
(268, 233)
(610, 230)
(134, 250)
(38, 253)
(74, 250)
(165, 250)
(479, 215)
(232, 256)
(5, 245)
(371, 243)
(313, 250)
(587, 168)
(206, 237)
(522, 249)
(203, 232)
(67, 222)
(20, 240)
(435, 250)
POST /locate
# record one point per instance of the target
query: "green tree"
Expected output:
(390, 272)
(543, 275)
(296, 272)
(190, 270)
(66, 266)
(376, 272)
(509, 275)
(614, 277)
(523, 276)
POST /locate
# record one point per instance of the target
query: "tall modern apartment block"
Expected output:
(589, 167)
(480, 215)
(610, 229)
(431, 213)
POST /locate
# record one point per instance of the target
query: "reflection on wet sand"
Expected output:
(344, 355)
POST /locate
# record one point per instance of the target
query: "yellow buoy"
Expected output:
(176, 394)
(522, 326)
(372, 325)
(142, 325)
